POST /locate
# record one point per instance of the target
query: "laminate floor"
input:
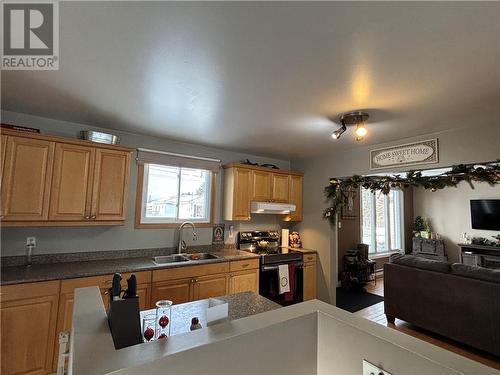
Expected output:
(376, 314)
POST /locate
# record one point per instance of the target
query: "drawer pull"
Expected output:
(245, 265)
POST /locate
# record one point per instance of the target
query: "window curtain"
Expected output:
(177, 160)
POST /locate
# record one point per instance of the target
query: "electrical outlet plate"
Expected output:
(371, 369)
(31, 241)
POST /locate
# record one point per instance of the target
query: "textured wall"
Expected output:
(463, 145)
(449, 212)
(76, 239)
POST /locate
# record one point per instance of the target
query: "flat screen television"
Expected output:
(485, 214)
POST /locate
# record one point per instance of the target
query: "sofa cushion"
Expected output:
(418, 262)
(476, 272)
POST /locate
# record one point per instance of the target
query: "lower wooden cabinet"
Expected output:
(244, 281)
(210, 286)
(309, 276)
(28, 334)
(177, 291)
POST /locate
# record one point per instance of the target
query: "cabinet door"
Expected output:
(210, 286)
(262, 186)
(2, 155)
(242, 193)
(281, 188)
(28, 318)
(177, 291)
(26, 179)
(309, 281)
(109, 194)
(244, 281)
(72, 183)
(144, 294)
(295, 198)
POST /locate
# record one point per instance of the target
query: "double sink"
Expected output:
(176, 258)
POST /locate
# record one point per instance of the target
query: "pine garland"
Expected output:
(337, 191)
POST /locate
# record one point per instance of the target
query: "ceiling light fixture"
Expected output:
(357, 118)
(337, 133)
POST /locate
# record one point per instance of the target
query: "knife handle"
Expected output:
(116, 287)
(132, 287)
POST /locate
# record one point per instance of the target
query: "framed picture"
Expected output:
(349, 209)
(218, 233)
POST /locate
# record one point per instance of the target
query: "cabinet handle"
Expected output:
(93, 217)
(245, 265)
(87, 217)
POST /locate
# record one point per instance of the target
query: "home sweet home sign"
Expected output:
(423, 152)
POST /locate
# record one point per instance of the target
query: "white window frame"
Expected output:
(143, 222)
(399, 224)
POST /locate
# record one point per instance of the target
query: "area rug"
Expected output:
(353, 301)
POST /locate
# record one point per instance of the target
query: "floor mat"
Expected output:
(353, 301)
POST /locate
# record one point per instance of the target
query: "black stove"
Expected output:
(272, 258)
(266, 244)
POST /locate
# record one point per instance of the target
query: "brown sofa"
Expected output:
(456, 301)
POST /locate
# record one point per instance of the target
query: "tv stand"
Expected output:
(480, 255)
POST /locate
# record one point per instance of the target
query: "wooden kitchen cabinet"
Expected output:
(295, 189)
(184, 284)
(210, 286)
(177, 291)
(280, 188)
(109, 193)
(28, 318)
(3, 145)
(262, 186)
(245, 183)
(54, 181)
(244, 276)
(309, 276)
(71, 194)
(26, 178)
(237, 194)
(244, 281)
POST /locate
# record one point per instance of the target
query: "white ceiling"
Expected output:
(264, 77)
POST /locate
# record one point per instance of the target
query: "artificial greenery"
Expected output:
(337, 192)
(418, 224)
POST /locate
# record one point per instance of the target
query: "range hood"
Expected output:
(271, 208)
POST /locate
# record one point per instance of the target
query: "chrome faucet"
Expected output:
(182, 244)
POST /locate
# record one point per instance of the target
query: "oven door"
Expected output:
(269, 284)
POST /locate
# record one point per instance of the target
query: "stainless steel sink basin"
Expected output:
(201, 256)
(169, 259)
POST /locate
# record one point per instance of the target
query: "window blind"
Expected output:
(178, 160)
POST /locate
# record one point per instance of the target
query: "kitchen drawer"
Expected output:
(308, 258)
(241, 265)
(190, 271)
(29, 290)
(69, 285)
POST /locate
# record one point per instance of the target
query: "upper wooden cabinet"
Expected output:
(57, 181)
(295, 191)
(237, 194)
(245, 183)
(262, 184)
(26, 179)
(280, 188)
(71, 192)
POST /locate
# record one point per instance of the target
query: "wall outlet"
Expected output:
(371, 369)
(31, 241)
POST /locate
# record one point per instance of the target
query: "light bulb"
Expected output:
(360, 131)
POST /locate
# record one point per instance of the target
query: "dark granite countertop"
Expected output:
(240, 306)
(70, 270)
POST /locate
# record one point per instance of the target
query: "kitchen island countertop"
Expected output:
(70, 270)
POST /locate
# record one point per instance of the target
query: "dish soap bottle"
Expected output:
(195, 324)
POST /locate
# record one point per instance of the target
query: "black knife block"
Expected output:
(125, 322)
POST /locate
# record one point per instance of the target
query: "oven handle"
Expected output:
(270, 268)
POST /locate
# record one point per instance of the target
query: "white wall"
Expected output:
(79, 239)
(465, 145)
(449, 212)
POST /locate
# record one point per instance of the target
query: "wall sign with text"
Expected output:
(423, 152)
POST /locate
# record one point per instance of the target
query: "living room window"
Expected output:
(382, 221)
(171, 189)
